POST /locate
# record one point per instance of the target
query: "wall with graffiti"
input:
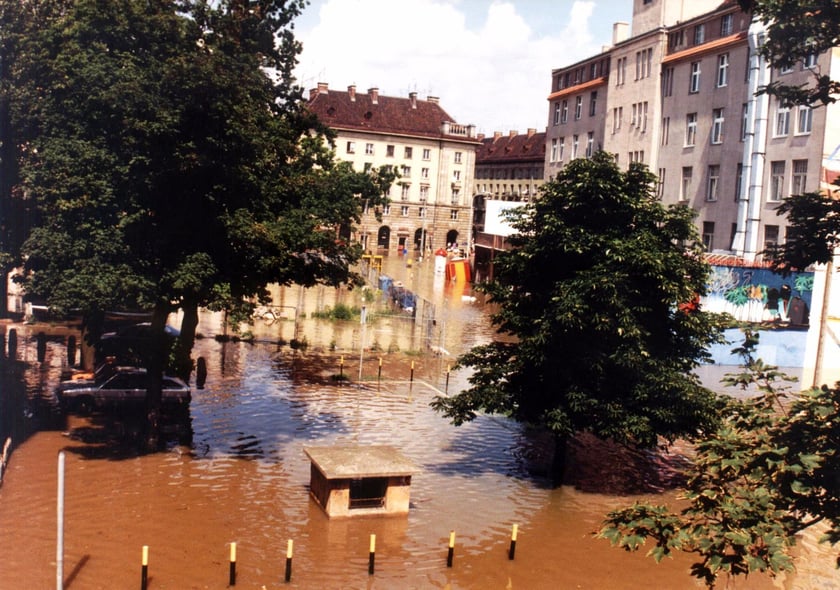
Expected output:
(760, 295)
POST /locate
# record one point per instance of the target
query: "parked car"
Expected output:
(125, 386)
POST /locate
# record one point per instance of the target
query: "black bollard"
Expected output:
(12, 343)
(232, 573)
(200, 372)
(71, 350)
(372, 554)
(144, 571)
(41, 346)
(289, 547)
(512, 550)
(451, 553)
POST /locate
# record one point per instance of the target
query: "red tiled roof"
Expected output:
(578, 87)
(510, 148)
(717, 44)
(388, 114)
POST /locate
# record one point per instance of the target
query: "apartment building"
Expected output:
(679, 93)
(431, 201)
(509, 168)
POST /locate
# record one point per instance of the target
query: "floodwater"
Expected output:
(237, 473)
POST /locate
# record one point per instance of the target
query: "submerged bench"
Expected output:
(351, 480)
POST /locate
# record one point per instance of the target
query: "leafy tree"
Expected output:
(172, 160)
(797, 29)
(768, 473)
(596, 303)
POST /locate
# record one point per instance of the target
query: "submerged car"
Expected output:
(127, 385)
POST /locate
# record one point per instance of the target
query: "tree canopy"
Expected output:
(170, 155)
(597, 305)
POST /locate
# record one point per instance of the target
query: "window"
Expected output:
(424, 193)
(618, 113)
(389, 151)
(620, 71)
(691, 129)
(667, 81)
(694, 80)
(556, 113)
(574, 146)
(453, 214)
(660, 184)
(665, 131)
(637, 156)
(368, 492)
(406, 171)
(643, 114)
(562, 151)
(593, 100)
(408, 152)
(427, 155)
(777, 181)
(421, 212)
(786, 69)
(578, 107)
(564, 111)
(424, 173)
(708, 235)
(676, 39)
(739, 178)
(810, 61)
(723, 70)
(804, 119)
(456, 196)
(554, 146)
(782, 120)
(386, 210)
(685, 185)
(713, 184)
(771, 236)
(799, 178)
(404, 210)
(456, 175)
(458, 157)
(369, 149)
(634, 114)
(745, 120)
(351, 147)
(404, 189)
(590, 144)
(699, 34)
(717, 126)
(726, 25)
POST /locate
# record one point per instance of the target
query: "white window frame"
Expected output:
(723, 70)
(804, 119)
(691, 129)
(427, 154)
(713, 183)
(781, 128)
(799, 177)
(717, 126)
(694, 78)
(578, 107)
(458, 156)
(777, 181)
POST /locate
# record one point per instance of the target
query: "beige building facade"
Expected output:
(679, 93)
(431, 200)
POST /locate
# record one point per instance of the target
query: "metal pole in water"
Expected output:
(144, 568)
(232, 571)
(59, 547)
(372, 554)
(451, 552)
(289, 549)
(512, 550)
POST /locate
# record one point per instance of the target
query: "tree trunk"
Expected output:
(558, 461)
(154, 388)
(186, 340)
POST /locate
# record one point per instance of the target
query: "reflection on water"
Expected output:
(244, 478)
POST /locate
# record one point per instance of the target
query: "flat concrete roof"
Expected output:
(359, 461)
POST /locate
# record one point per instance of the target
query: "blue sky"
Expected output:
(489, 62)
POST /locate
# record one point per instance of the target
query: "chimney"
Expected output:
(433, 99)
(323, 88)
(512, 133)
(621, 32)
(480, 137)
(496, 135)
(412, 96)
(374, 95)
(531, 131)
(351, 90)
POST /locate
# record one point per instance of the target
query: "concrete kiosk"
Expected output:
(351, 480)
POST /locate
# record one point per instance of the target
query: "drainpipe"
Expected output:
(746, 241)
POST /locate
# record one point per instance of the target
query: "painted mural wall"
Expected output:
(760, 295)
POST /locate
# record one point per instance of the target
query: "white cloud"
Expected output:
(486, 63)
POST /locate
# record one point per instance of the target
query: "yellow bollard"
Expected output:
(232, 575)
(289, 547)
(144, 572)
(451, 554)
(512, 550)
(372, 554)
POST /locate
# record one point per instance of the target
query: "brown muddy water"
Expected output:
(237, 472)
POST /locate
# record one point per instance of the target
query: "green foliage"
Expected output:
(813, 233)
(595, 296)
(798, 28)
(769, 472)
(339, 312)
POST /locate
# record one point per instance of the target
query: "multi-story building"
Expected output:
(431, 201)
(507, 168)
(678, 92)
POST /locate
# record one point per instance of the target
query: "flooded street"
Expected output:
(238, 472)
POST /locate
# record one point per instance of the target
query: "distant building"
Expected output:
(677, 91)
(507, 168)
(431, 202)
